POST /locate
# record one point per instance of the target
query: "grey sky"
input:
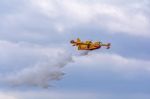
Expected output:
(35, 33)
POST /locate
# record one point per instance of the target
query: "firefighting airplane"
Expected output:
(88, 45)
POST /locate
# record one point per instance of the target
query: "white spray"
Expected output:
(31, 65)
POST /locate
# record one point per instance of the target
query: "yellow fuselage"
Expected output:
(88, 45)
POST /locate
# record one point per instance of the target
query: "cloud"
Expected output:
(25, 29)
(116, 17)
(31, 65)
(7, 96)
(45, 20)
(68, 95)
(113, 62)
(58, 95)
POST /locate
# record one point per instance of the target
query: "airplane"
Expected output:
(88, 45)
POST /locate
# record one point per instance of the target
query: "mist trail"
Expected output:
(41, 74)
(32, 65)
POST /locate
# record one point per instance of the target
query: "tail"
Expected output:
(74, 43)
(78, 40)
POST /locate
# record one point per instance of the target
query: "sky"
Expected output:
(38, 61)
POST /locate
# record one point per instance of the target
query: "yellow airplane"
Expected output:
(88, 45)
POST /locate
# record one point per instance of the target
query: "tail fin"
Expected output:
(78, 40)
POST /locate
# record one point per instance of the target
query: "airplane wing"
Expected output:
(82, 43)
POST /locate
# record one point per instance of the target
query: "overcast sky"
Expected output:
(37, 60)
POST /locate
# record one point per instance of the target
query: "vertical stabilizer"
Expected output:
(78, 40)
